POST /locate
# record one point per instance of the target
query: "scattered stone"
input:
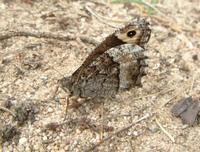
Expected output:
(195, 57)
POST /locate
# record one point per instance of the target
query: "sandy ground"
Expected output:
(31, 67)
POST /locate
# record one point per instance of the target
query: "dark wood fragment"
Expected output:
(181, 106)
(190, 115)
(187, 109)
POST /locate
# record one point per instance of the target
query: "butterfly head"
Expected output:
(137, 32)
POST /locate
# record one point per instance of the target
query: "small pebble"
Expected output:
(50, 109)
(44, 138)
(135, 133)
(22, 141)
(195, 57)
(36, 146)
(153, 128)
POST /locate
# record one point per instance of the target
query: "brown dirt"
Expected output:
(30, 68)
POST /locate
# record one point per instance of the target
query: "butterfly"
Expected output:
(115, 65)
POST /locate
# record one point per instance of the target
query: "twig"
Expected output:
(10, 34)
(167, 133)
(168, 101)
(89, 40)
(7, 110)
(119, 131)
(157, 93)
(101, 19)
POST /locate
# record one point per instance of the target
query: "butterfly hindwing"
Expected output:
(117, 69)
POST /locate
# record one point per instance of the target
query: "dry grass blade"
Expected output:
(166, 102)
(165, 131)
(102, 19)
(153, 7)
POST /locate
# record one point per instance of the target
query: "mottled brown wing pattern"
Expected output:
(131, 60)
(118, 69)
(98, 79)
(116, 64)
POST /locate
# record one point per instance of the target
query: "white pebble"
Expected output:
(50, 109)
(135, 133)
(36, 147)
(22, 141)
(44, 138)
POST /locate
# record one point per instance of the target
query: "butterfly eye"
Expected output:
(131, 33)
